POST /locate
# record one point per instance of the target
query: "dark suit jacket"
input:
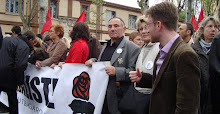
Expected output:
(123, 62)
(176, 88)
(1, 37)
(214, 70)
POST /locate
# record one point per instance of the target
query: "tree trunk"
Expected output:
(42, 8)
(189, 11)
(219, 10)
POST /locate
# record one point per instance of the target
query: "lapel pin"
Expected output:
(119, 50)
(120, 60)
(149, 65)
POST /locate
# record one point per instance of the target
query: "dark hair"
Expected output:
(30, 35)
(190, 27)
(39, 36)
(80, 30)
(122, 22)
(16, 29)
(47, 38)
(166, 12)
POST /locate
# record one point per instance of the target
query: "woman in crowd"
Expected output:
(57, 49)
(145, 62)
(47, 40)
(79, 50)
(136, 38)
(205, 34)
(39, 51)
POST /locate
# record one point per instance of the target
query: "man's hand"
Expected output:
(18, 88)
(89, 63)
(110, 70)
(135, 76)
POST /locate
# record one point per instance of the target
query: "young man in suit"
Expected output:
(123, 55)
(176, 77)
(176, 87)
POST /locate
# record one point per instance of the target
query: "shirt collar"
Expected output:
(117, 42)
(167, 47)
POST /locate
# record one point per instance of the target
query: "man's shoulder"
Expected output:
(11, 40)
(184, 48)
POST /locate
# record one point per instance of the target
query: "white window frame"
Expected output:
(12, 4)
(109, 15)
(53, 8)
(131, 21)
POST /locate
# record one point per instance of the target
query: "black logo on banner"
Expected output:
(81, 86)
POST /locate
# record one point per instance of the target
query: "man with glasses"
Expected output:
(176, 78)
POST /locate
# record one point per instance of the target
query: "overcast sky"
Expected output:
(132, 3)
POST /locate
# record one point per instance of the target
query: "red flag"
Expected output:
(195, 25)
(201, 16)
(47, 23)
(82, 17)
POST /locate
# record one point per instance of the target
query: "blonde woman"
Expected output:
(205, 34)
(145, 62)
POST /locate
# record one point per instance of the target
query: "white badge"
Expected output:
(119, 50)
(149, 65)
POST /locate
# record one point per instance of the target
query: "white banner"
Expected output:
(73, 89)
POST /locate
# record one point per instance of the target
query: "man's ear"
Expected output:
(124, 29)
(188, 32)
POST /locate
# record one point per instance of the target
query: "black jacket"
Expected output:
(214, 70)
(13, 62)
(24, 38)
(1, 37)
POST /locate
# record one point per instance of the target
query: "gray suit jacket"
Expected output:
(123, 63)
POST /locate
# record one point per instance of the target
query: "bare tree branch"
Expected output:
(20, 12)
(27, 9)
(32, 10)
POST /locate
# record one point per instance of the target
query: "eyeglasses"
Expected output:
(51, 31)
(143, 28)
(210, 27)
(148, 24)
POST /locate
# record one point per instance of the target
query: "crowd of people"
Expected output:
(173, 71)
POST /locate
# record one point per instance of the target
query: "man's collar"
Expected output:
(117, 42)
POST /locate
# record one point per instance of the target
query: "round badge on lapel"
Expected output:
(119, 50)
(149, 65)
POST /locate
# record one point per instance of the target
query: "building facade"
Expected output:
(66, 12)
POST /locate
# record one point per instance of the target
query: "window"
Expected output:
(53, 8)
(109, 15)
(86, 13)
(12, 6)
(131, 21)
